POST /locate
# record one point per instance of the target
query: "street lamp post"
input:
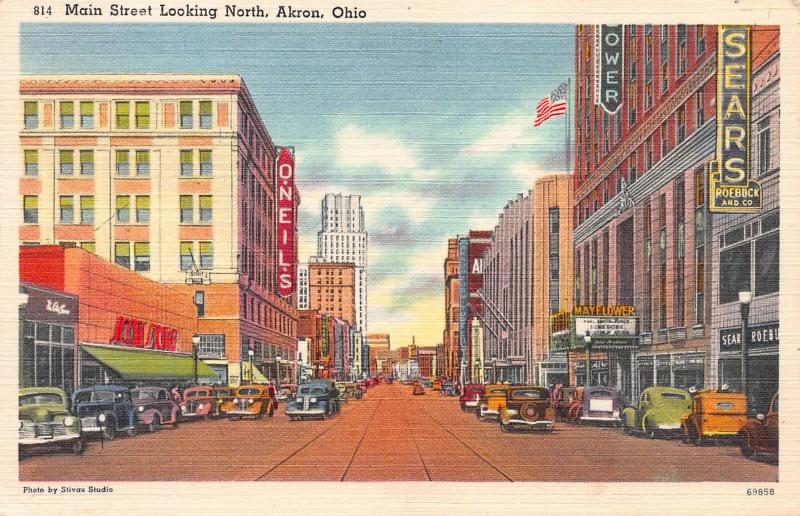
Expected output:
(494, 369)
(744, 305)
(250, 356)
(278, 361)
(195, 358)
(588, 340)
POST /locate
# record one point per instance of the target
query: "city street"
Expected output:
(392, 435)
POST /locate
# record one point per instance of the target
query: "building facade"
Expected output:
(450, 335)
(173, 177)
(332, 289)
(643, 230)
(343, 239)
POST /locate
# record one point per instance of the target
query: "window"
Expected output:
(187, 209)
(648, 155)
(764, 146)
(123, 115)
(206, 255)
(700, 250)
(681, 124)
(679, 207)
(122, 158)
(700, 40)
(186, 114)
(31, 162)
(122, 254)
(664, 76)
(30, 209)
(142, 163)
(88, 246)
(187, 260)
(123, 204)
(205, 163)
(66, 209)
(205, 114)
(767, 264)
(632, 169)
(87, 162)
(67, 114)
(143, 209)
(681, 49)
(87, 209)
(141, 256)
(186, 163)
(205, 208)
(734, 267)
(87, 115)
(662, 262)
(699, 103)
(664, 139)
(142, 115)
(66, 164)
(31, 115)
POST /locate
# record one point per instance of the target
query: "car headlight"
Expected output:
(236, 400)
(69, 421)
(183, 409)
(312, 400)
(200, 406)
(101, 418)
(141, 408)
(250, 400)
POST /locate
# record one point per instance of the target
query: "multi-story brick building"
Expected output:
(451, 310)
(643, 232)
(331, 289)
(172, 176)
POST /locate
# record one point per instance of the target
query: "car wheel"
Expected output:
(271, 410)
(504, 427)
(77, 447)
(478, 414)
(155, 424)
(649, 432)
(744, 445)
(110, 431)
(132, 432)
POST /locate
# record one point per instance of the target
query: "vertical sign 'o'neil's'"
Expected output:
(611, 62)
(285, 225)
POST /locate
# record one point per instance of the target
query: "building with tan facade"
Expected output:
(173, 177)
(332, 289)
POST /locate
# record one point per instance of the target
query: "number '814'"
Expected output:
(41, 10)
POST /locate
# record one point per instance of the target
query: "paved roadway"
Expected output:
(392, 435)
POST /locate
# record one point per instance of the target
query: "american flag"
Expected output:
(554, 105)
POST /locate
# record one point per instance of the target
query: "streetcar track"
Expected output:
(465, 445)
(281, 463)
(358, 445)
(416, 446)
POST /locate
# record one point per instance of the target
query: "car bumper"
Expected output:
(471, 404)
(38, 441)
(669, 427)
(240, 413)
(543, 423)
(600, 418)
(302, 412)
(189, 415)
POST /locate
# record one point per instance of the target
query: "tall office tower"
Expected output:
(343, 239)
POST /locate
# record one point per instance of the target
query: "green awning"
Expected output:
(137, 364)
(257, 378)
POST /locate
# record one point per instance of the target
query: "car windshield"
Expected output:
(312, 390)
(197, 394)
(87, 396)
(144, 395)
(40, 398)
(497, 391)
(673, 396)
(531, 394)
(222, 392)
(249, 392)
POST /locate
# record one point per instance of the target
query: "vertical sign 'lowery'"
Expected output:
(730, 188)
(611, 57)
(286, 223)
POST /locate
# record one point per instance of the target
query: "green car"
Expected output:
(44, 420)
(660, 411)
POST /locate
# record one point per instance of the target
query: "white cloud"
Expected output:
(359, 148)
(515, 130)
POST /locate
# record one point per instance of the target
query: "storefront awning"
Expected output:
(135, 364)
(257, 378)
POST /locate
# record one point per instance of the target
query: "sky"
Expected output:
(430, 123)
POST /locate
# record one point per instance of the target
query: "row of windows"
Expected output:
(122, 205)
(190, 160)
(127, 115)
(257, 311)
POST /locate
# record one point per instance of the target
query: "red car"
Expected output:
(198, 402)
(471, 396)
(368, 382)
(761, 434)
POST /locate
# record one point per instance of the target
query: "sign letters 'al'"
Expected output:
(285, 226)
(730, 188)
(611, 62)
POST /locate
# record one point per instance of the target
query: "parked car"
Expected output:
(368, 383)
(154, 407)
(348, 390)
(44, 420)
(449, 388)
(315, 399)
(198, 402)
(598, 403)
(436, 384)
(761, 434)
(561, 403)
(425, 382)
(575, 404)
(660, 411)
(222, 395)
(527, 406)
(106, 409)
(286, 392)
(417, 388)
(495, 398)
(251, 400)
(714, 414)
(471, 397)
